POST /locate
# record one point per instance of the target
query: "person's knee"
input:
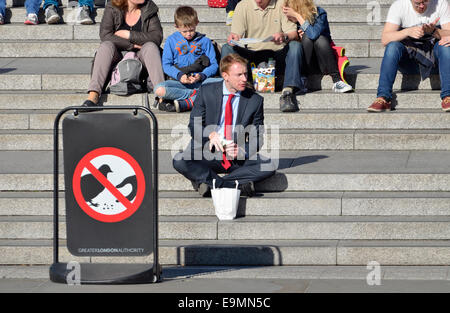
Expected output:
(150, 47)
(322, 43)
(394, 49)
(442, 52)
(160, 91)
(179, 164)
(295, 48)
(106, 47)
(226, 50)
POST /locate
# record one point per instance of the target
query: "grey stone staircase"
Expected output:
(351, 188)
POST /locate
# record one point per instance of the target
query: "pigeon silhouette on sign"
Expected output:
(132, 180)
(91, 187)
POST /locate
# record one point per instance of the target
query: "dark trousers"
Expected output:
(319, 53)
(204, 171)
(231, 5)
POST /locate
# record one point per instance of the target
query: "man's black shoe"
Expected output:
(248, 189)
(204, 190)
(287, 102)
(194, 185)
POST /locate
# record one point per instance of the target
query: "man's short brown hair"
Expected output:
(229, 60)
(186, 16)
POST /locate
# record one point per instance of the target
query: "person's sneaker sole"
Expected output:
(177, 105)
(289, 109)
(27, 22)
(86, 22)
(343, 90)
(53, 20)
(377, 110)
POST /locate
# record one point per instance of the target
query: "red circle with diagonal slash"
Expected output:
(131, 207)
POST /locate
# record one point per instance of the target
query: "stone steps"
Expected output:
(299, 171)
(278, 183)
(79, 82)
(431, 119)
(100, 3)
(318, 100)
(351, 188)
(424, 129)
(87, 48)
(259, 228)
(335, 13)
(65, 74)
(29, 140)
(268, 204)
(215, 31)
(250, 252)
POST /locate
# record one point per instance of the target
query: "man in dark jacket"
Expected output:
(226, 126)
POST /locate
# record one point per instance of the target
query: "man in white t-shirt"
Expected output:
(413, 20)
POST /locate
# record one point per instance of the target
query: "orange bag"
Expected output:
(342, 60)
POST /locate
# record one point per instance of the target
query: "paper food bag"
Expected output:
(226, 201)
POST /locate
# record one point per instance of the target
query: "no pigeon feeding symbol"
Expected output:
(108, 185)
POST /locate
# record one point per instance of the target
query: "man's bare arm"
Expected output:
(392, 32)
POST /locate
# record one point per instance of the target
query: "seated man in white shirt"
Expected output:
(422, 23)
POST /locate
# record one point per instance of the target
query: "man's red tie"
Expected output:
(228, 128)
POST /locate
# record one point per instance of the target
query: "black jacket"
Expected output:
(151, 26)
(249, 128)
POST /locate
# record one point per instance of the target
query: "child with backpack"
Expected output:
(189, 59)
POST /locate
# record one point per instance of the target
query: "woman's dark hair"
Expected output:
(120, 4)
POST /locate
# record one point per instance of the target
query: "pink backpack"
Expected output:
(125, 77)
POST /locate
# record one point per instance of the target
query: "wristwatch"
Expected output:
(286, 38)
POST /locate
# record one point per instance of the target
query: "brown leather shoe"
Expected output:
(446, 104)
(379, 105)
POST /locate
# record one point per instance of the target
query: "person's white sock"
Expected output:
(286, 89)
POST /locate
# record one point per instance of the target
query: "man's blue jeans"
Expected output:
(396, 57)
(32, 6)
(89, 3)
(287, 60)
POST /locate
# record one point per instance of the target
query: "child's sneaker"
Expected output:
(2, 20)
(185, 104)
(32, 19)
(229, 19)
(166, 105)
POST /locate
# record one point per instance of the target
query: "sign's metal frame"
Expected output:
(136, 274)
